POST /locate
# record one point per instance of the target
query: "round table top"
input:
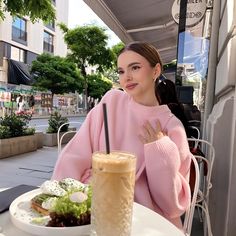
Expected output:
(145, 223)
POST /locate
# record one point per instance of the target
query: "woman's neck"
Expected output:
(149, 100)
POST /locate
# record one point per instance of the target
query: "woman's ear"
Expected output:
(157, 71)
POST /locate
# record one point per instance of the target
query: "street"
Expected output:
(41, 124)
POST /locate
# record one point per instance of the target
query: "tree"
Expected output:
(98, 85)
(116, 50)
(111, 73)
(56, 74)
(88, 47)
(36, 10)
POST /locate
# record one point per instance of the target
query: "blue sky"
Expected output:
(81, 14)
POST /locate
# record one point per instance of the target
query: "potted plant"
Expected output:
(15, 135)
(54, 123)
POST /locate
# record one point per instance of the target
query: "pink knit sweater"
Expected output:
(162, 170)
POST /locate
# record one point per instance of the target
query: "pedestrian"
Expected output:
(140, 125)
(31, 103)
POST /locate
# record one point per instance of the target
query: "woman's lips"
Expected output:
(131, 86)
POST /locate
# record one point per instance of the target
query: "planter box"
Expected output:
(50, 140)
(18, 145)
(39, 137)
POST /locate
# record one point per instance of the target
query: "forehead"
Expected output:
(128, 57)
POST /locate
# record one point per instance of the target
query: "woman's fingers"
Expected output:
(151, 134)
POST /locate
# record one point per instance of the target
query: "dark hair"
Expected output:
(166, 91)
(148, 51)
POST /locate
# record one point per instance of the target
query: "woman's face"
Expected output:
(137, 77)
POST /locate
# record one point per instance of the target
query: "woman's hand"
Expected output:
(151, 134)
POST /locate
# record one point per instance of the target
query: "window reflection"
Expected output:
(48, 42)
(19, 29)
(18, 54)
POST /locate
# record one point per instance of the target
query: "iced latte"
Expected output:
(113, 181)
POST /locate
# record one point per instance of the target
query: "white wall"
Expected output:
(221, 127)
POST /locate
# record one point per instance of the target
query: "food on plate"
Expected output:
(66, 202)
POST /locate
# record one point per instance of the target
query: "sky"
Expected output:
(80, 14)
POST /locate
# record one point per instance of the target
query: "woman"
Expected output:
(137, 124)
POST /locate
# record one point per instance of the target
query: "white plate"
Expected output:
(22, 215)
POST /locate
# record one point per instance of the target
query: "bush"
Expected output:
(29, 131)
(55, 121)
(4, 132)
(14, 125)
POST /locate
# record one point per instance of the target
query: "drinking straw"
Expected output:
(106, 128)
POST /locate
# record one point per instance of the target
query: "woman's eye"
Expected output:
(135, 67)
(120, 72)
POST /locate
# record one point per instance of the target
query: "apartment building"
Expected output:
(21, 40)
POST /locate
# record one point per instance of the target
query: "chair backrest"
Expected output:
(60, 137)
(204, 152)
(188, 220)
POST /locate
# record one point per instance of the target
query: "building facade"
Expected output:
(21, 40)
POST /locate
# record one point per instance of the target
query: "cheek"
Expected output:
(121, 81)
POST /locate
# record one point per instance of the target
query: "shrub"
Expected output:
(29, 131)
(4, 132)
(14, 125)
(55, 121)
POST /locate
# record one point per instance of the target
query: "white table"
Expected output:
(145, 223)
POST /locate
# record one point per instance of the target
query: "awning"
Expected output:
(18, 73)
(143, 20)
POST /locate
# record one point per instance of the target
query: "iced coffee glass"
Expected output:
(113, 180)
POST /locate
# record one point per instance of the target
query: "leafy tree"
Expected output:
(116, 50)
(111, 73)
(98, 85)
(88, 47)
(36, 10)
(56, 74)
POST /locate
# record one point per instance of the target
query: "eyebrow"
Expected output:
(131, 64)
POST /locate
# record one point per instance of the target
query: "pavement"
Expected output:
(31, 168)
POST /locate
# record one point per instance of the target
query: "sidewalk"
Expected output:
(31, 168)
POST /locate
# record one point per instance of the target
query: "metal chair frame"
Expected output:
(59, 139)
(205, 185)
(188, 220)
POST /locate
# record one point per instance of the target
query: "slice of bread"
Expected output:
(37, 207)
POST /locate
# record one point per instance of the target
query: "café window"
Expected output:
(18, 54)
(48, 42)
(19, 33)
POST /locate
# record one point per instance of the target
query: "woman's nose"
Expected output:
(128, 75)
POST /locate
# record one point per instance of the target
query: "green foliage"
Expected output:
(36, 10)
(56, 74)
(55, 121)
(116, 51)
(5, 132)
(98, 85)
(14, 125)
(29, 131)
(88, 46)
(111, 73)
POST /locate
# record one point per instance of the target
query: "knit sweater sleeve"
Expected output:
(75, 159)
(167, 164)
